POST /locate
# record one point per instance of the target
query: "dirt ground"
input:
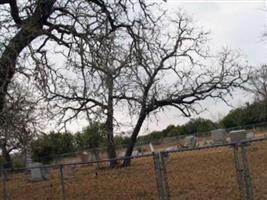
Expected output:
(201, 175)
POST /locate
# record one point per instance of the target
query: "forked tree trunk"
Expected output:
(130, 147)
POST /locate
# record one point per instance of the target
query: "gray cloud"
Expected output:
(238, 25)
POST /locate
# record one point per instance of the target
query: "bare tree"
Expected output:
(95, 77)
(89, 78)
(28, 27)
(43, 23)
(174, 69)
(36, 26)
(257, 83)
(19, 121)
(159, 67)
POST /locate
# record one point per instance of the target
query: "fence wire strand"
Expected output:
(232, 170)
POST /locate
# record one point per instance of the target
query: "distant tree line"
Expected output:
(197, 125)
(112, 55)
(47, 147)
(251, 113)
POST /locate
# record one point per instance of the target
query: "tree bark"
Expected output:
(6, 155)
(130, 147)
(9, 57)
(109, 124)
(27, 33)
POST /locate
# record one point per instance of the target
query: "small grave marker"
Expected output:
(151, 147)
(39, 172)
(84, 157)
(190, 141)
(238, 135)
(250, 135)
(218, 136)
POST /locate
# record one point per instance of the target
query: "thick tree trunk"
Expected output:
(130, 147)
(27, 33)
(6, 156)
(8, 59)
(110, 140)
(109, 125)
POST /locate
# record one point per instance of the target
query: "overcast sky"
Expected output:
(235, 24)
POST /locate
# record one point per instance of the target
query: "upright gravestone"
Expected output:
(151, 147)
(238, 135)
(190, 141)
(84, 157)
(218, 136)
(39, 172)
(250, 135)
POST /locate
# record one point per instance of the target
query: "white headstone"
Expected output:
(135, 153)
(171, 148)
(151, 147)
(218, 136)
(238, 135)
(84, 157)
(190, 141)
(38, 172)
(250, 135)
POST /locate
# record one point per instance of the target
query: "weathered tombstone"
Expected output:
(238, 135)
(84, 157)
(208, 143)
(135, 153)
(151, 147)
(45, 173)
(250, 135)
(174, 148)
(39, 172)
(190, 141)
(218, 136)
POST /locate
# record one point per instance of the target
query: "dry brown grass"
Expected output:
(201, 175)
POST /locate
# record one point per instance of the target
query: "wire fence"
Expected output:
(232, 170)
(162, 144)
(203, 174)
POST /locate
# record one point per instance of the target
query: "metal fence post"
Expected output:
(247, 175)
(4, 179)
(239, 172)
(242, 170)
(62, 182)
(161, 176)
